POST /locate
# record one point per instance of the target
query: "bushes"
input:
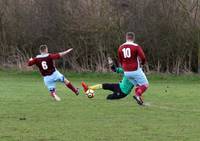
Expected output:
(168, 30)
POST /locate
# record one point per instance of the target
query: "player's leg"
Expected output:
(94, 87)
(112, 87)
(50, 84)
(142, 86)
(139, 90)
(139, 79)
(60, 77)
(142, 83)
(116, 95)
(71, 87)
(85, 86)
(138, 93)
(54, 95)
(105, 86)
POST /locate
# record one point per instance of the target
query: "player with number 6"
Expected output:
(45, 63)
(130, 57)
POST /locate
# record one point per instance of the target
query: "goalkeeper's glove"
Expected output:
(110, 61)
(113, 68)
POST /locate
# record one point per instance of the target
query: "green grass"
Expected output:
(27, 112)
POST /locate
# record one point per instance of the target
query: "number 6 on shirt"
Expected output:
(44, 65)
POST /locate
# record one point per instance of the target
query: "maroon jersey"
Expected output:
(45, 63)
(129, 54)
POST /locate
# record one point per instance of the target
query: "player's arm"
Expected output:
(65, 52)
(31, 61)
(113, 67)
(119, 70)
(141, 55)
(60, 54)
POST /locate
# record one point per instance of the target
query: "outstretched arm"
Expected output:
(60, 54)
(65, 52)
(117, 69)
(31, 61)
(111, 64)
(113, 67)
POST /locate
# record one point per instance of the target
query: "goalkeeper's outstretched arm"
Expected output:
(113, 67)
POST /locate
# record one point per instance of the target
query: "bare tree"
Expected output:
(168, 30)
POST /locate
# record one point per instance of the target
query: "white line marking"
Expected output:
(148, 104)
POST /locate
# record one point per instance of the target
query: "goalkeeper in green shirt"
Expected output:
(120, 90)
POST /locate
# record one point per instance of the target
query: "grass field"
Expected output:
(27, 112)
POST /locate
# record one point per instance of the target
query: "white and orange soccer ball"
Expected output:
(90, 93)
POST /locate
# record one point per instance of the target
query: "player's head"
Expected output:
(130, 36)
(43, 49)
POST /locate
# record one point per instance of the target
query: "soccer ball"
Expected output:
(90, 93)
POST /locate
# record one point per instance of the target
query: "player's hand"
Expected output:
(113, 68)
(65, 52)
(31, 59)
(69, 50)
(110, 61)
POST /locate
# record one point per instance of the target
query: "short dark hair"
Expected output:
(43, 47)
(130, 36)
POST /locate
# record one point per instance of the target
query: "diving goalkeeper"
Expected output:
(120, 90)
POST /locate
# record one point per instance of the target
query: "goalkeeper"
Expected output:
(120, 90)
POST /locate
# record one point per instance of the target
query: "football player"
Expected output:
(45, 63)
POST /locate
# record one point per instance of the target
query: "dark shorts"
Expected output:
(115, 88)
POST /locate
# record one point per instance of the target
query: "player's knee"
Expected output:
(116, 96)
(52, 90)
(66, 81)
(146, 86)
(62, 79)
(110, 97)
(105, 86)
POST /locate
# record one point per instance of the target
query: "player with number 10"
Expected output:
(45, 63)
(130, 57)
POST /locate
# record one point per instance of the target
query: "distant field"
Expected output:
(27, 112)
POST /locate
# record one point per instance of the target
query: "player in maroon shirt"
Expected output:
(45, 63)
(130, 57)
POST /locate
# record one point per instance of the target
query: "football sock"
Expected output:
(53, 92)
(140, 90)
(95, 87)
(84, 85)
(71, 87)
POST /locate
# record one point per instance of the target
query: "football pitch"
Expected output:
(27, 112)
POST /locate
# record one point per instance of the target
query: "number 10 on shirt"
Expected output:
(126, 52)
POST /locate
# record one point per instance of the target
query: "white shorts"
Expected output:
(50, 80)
(137, 77)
